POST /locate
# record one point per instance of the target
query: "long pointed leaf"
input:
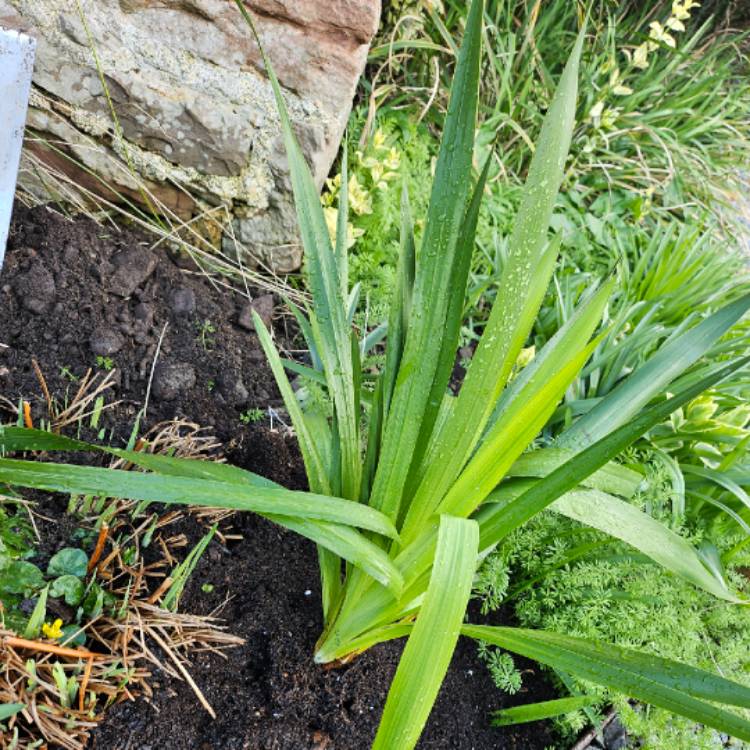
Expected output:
(433, 639)
(676, 687)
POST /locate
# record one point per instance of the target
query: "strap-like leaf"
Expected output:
(648, 381)
(676, 687)
(430, 646)
(420, 363)
(543, 710)
(131, 485)
(523, 285)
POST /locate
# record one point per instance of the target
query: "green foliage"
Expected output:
(411, 485)
(106, 363)
(570, 579)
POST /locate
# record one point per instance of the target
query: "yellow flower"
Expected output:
(640, 56)
(53, 631)
(675, 24)
(359, 199)
(393, 160)
(659, 34)
(681, 10)
(378, 140)
(622, 90)
(352, 234)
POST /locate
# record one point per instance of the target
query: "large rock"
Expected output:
(195, 113)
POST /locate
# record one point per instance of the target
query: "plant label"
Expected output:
(16, 66)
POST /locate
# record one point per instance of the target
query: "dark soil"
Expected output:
(71, 291)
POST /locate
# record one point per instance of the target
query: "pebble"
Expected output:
(106, 341)
(263, 306)
(182, 301)
(233, 389)
(172, 379)
(132, 268)
(36, 288)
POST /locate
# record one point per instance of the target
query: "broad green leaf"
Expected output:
(69, 587)
(433, 639)
(510, 435)
(20, 577)
(342, 540)
(350, 545)
(87, 480)
(668, 684)
(543, 710)
(625, 522)
(651, 379)
(68, 561)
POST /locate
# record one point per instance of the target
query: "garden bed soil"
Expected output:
(74, 291)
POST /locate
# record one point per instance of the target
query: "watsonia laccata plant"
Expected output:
(404, 504)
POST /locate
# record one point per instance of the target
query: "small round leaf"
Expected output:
(68, 561)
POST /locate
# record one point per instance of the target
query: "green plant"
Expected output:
(573, 580)
(65, 372)
(401, 532)
(105, 363)
(251, 416)
(206, 331)
(662, 116)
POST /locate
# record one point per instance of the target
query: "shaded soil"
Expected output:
(71, 292)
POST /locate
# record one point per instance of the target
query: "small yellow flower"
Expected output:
(622, 90)
(359, 199)
(675, 24)
(659, 34)
(640, 56)
(378, 140)
(54, 630)
(393, 160)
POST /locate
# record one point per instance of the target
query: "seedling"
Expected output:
(105, 363)
(206, 330)
(67, 374)
(251, 416)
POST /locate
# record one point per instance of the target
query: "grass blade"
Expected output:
(543, 710)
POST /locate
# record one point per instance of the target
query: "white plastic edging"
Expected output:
(16, 66)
